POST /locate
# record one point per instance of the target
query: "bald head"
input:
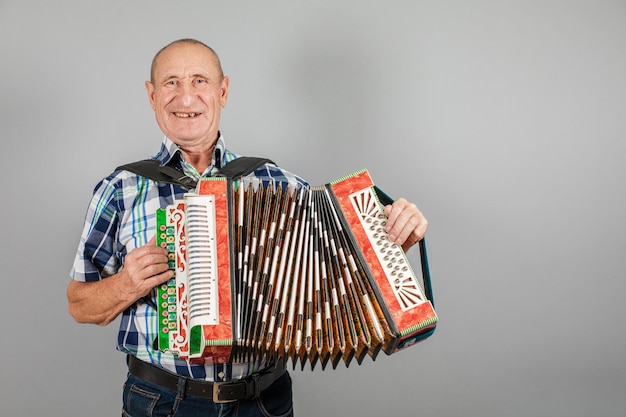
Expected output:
(180, 42)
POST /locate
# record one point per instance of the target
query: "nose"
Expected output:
(186, 94)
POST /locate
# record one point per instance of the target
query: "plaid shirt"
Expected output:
(121, 216)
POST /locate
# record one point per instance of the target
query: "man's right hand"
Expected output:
(144, 268)
(100, 302)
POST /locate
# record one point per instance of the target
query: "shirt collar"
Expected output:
(171, 154)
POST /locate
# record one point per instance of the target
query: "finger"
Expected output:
(148, 249)
(404, 227)
(397, 215)
(140, 259)
(143, 262)
(154, 268)
(143, 286)
(157, 279)
(406, 223)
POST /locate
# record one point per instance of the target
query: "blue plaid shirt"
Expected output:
(122, 216)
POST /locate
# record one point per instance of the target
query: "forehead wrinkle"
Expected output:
(185, 73)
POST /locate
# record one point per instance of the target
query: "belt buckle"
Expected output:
(216, 392)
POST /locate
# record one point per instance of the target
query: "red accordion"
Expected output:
(270, 272)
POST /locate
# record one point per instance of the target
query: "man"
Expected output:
(118, 263)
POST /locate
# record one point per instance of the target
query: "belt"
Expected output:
(220, 392)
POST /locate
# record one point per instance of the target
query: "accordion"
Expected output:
(267, 272)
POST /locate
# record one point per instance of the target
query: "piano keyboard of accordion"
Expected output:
(270, 273)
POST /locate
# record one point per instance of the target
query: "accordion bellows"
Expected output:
(270, 272)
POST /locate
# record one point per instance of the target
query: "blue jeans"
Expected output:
(143, 399)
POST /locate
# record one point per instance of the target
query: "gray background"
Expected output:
(504, 120)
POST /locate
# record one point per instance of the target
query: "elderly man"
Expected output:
(118, 263)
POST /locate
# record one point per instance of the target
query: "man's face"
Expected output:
(187, 94)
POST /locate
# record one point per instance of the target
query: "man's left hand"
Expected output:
(406, 225)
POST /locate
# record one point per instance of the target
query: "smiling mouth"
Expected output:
(186, 115)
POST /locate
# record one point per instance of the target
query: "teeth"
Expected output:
(185, 114)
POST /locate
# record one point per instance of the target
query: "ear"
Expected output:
(150, 89)
(224, 88)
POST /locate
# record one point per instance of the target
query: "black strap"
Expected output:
(152, 169)
(242, 166)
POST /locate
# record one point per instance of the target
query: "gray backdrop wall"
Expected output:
(504, 120)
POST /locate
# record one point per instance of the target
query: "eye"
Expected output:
(201, 82)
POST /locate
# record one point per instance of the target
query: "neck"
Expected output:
(201, 159)
(199, 154)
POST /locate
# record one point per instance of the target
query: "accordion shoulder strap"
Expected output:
(243, 166)
(152, 169)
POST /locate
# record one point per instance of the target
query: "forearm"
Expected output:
(98, 302)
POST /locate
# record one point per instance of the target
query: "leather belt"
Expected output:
(220, 392)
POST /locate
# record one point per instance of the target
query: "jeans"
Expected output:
(143, 399)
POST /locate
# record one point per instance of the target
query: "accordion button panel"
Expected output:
(391, 257)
